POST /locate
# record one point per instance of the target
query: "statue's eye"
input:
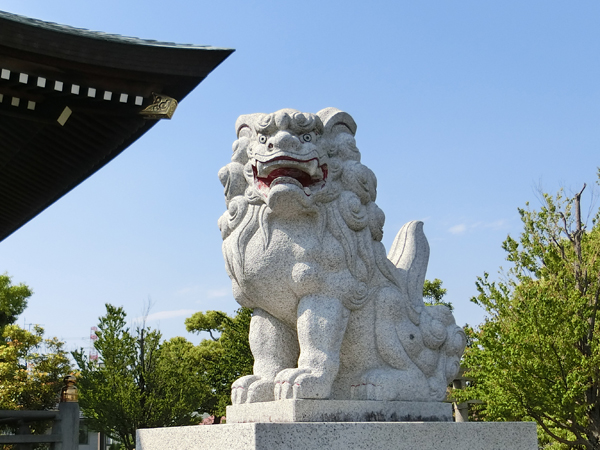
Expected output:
(262, 139)
(307, 137)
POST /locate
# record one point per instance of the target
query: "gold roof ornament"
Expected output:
(162, 107)
(69, 391)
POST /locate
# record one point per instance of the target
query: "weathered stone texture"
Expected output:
(343, 436)
(334, 317)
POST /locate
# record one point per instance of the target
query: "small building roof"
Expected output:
(72, 99)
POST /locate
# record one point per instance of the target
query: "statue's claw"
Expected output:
(239, 389)
(301, 383)
(284, 383)
(260, 391)
(375, 385)
(252, 389)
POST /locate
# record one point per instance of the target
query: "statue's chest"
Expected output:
(288, 246)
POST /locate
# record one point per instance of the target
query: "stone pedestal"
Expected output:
(339, 411)
(343, 436)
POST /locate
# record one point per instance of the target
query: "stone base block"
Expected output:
(343, 436)
(339, 411)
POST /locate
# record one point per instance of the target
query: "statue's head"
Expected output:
(295, 163)
(284, 153)
(290, 156)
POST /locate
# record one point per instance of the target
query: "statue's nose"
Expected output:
(283, 141)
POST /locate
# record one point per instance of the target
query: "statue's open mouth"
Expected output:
(307, 175)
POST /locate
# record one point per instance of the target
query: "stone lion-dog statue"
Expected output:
(334, 317)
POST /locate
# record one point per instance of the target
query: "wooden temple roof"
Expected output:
(71, 100)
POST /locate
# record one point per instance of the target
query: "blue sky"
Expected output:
(464, 108)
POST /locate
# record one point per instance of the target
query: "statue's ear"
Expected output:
(336, 121)
(244, 125)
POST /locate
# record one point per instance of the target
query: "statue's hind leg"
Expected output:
(321, 326)
(274, 346)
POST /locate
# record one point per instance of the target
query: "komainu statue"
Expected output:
(334, 317)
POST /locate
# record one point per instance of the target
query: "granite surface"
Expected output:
(343, 436)
(334, 317)
(339, 411)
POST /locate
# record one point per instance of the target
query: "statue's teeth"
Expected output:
(312, 167)
(260, 169)
(318, 174)
(307, 190)
(263, 169)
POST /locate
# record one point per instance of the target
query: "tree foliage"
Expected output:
(13, 300)
(224, 359)
(138, 381)
(433, 293)
(536, 356)
(30, 379)
(31, 367)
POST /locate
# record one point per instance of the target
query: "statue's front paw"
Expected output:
(252, 389)
(301, 383)
(376, 384)
(239, 389)
(261, 391)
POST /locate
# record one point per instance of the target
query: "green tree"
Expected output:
(13, 300)
(536, 356)
(31, 367)
(226, 358)
(138, 382)
(433, 293)
(30, 378)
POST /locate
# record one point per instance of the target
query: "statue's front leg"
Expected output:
(274, 347)
(321, 326)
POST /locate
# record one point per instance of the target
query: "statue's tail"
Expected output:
(442, 341)
(410, 253)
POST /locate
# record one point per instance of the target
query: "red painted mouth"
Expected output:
(306, 175)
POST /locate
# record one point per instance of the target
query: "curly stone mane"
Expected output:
(346, 208)
(302, 234)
